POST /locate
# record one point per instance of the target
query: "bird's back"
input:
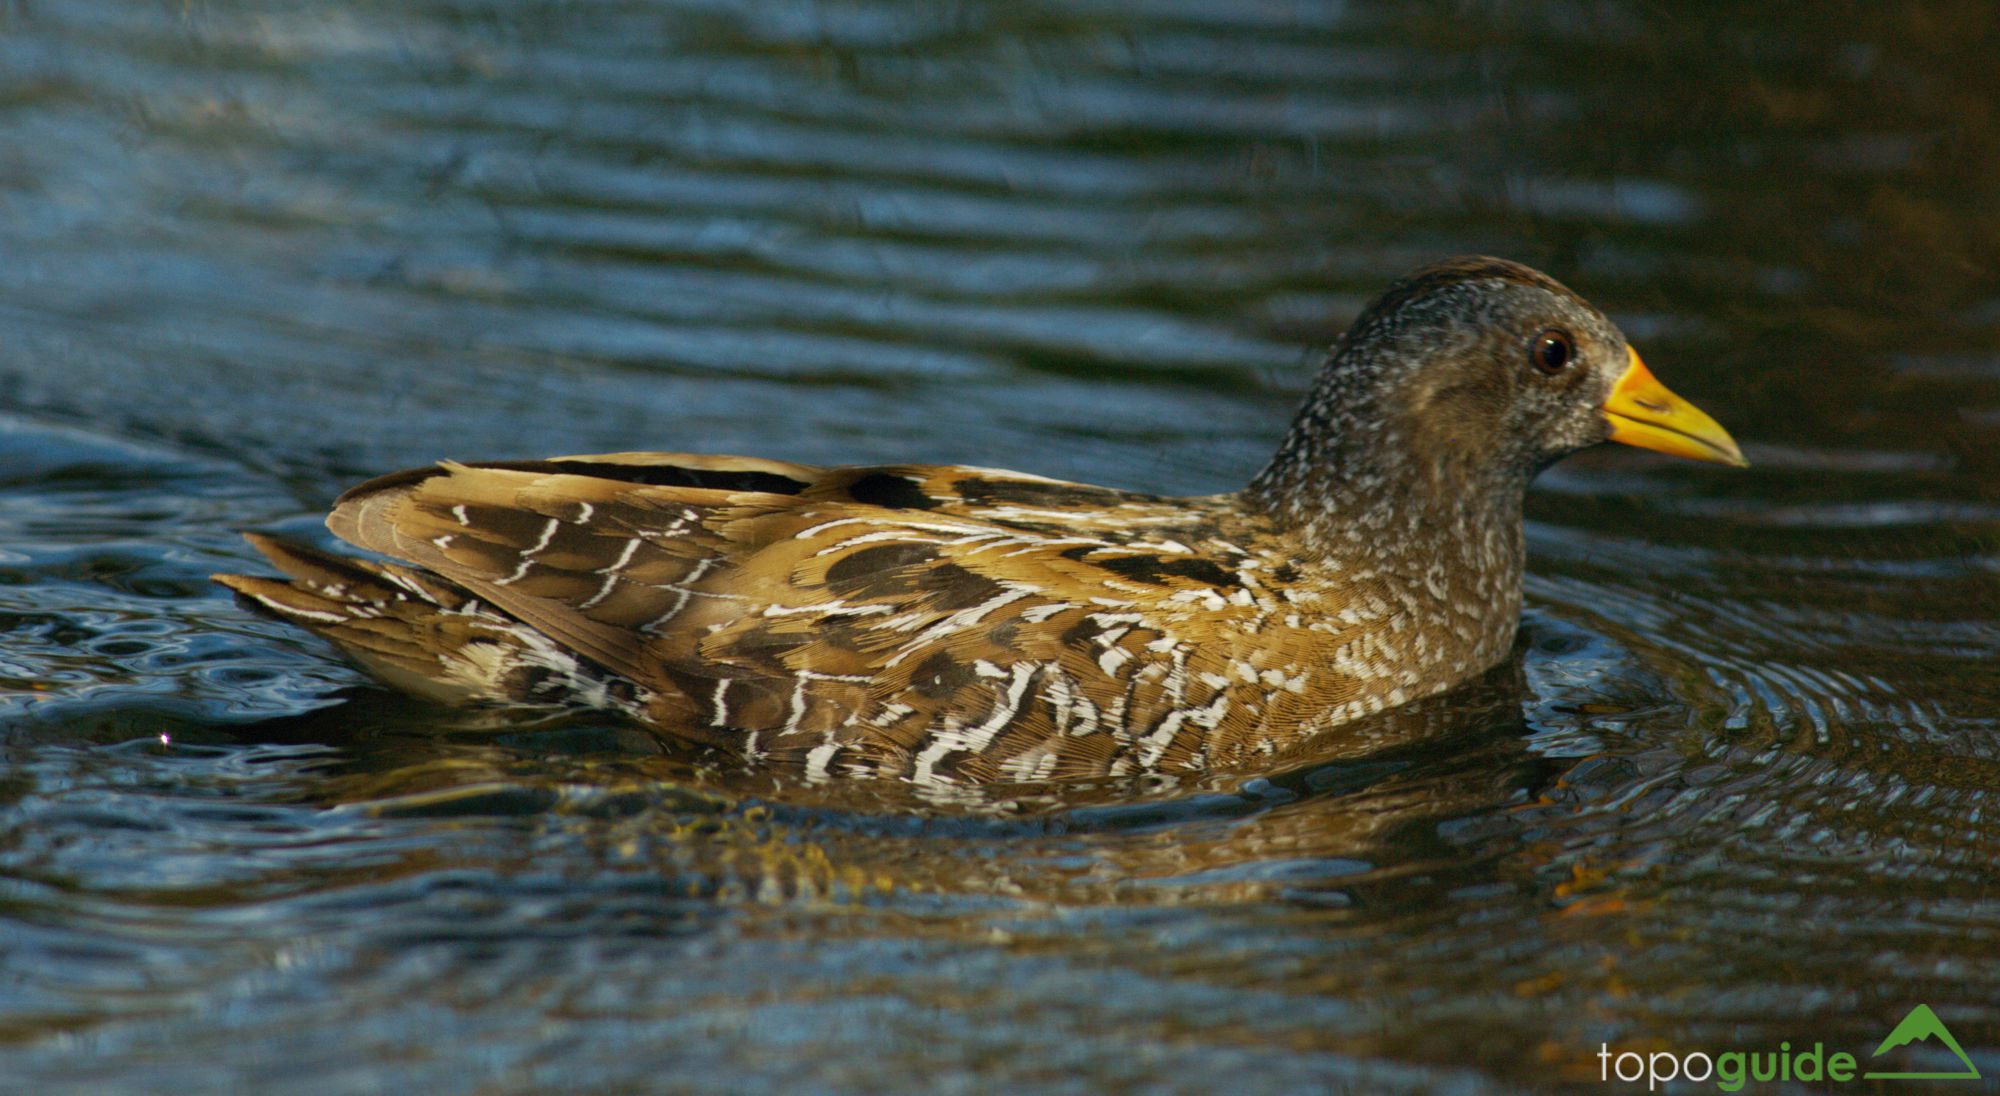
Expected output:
(941, 624)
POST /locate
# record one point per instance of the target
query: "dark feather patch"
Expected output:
(891, 491)
(940, 676)
(1003, 634)
(650, 475)
(663, 475)
(1155, 570)
(953, 587)
(881, 571)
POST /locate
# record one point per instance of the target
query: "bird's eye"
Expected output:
(1552, 351)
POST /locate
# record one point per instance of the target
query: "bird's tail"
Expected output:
(419, 632)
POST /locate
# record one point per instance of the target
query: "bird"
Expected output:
(953, 627)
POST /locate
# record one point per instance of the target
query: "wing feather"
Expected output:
(944, 621)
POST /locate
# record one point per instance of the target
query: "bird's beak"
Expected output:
(1643, 413)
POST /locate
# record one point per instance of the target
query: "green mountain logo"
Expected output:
(1920, 1025)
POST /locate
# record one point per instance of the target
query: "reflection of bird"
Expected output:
(948, 624)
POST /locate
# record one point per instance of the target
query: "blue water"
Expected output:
(1737, 789)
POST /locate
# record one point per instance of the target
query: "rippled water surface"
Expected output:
(1739, 787)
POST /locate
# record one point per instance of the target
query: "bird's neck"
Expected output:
(1440, 539)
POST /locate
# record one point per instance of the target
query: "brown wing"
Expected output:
(941, 622)
(593, 552)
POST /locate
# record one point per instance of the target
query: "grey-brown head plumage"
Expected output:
(1444, 386)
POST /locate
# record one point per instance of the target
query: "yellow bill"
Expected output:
(1644, 413)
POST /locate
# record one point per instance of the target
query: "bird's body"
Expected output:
(951, 625)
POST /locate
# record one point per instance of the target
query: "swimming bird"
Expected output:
(956, 625)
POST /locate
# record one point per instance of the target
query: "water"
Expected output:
(1738, 788)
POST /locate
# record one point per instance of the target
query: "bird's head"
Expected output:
(1479, 370)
